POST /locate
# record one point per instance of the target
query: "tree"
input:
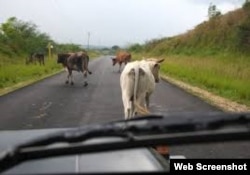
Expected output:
(246, 4)
(115, 47)
(23, 37)
(68, 48)
(213, 11)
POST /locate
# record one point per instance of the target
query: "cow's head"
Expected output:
(61, 58)
(155, 67)
(113, 60)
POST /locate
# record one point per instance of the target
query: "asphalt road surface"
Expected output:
(51, 103)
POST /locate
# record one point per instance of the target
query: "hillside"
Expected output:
(214, 55)
(225, 34)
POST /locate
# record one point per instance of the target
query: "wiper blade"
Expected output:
(144, 125)
(139, 132)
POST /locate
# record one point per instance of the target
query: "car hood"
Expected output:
(131, 160)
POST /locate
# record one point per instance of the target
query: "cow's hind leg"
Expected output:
(71, 76)
(85, 79)
(132, 111)
(147, 100)
(126, 113)
(67, 80)
(126, 105)
(120, 65)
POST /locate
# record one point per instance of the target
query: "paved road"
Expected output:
(52, 104)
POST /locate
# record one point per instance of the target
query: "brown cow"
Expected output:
(121, 57)
(75, 61)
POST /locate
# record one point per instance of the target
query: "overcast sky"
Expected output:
(112, 22)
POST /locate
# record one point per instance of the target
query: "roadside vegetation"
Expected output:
(215, 55)
(18, 39)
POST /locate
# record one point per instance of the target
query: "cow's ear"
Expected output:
(161, 60)
(156, 65)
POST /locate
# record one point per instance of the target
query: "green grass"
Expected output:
(13, 73)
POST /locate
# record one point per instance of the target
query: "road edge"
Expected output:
(224, 104)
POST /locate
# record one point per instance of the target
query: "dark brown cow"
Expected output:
(121, 57)
(75, 61)
(35, 57)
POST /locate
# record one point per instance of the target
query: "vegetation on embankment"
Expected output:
(215, 55)
(228, 78)
(19, 74)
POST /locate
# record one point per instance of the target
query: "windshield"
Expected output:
(73, 63)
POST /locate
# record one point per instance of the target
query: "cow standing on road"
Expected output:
(75, 61)
(121, 57)
(137, 83)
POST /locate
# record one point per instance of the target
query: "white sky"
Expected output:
(112, 22)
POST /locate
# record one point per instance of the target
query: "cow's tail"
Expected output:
(141, 110)
(86, 64)
(137, 107)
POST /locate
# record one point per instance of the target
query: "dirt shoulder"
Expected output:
(220, 102)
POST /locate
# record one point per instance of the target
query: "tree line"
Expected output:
(19, 37)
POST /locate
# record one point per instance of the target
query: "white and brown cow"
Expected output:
(75, 61)
(137, 83)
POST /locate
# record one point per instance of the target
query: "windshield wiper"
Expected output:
(145, 131)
